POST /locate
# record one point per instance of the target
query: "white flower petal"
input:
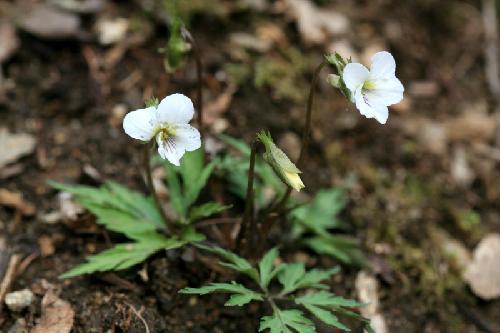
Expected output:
(383, 66)
(170, 149)
(175, 109)
(140, 124)
(370, 108)
(387, 92)
(188, 137)
(354, 76)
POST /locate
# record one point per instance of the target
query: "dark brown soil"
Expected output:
(399, 189)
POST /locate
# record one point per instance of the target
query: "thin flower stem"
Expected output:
(199, 76)
(272, 215)
(149, 182)
(248, 218)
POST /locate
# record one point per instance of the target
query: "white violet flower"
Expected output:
(373, 90)
(169, 123)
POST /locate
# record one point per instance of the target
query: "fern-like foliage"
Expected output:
(130, 213)
(117, 208)
(234, 168)
(313, 224)
(185, 184)
(297, 287)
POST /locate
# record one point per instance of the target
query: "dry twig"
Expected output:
(138, 314)
(10, 274)
(491, 48)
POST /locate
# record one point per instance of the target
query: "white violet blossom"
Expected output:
(169, 123)
(375, 89)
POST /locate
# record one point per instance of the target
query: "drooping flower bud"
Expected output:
(280, 163)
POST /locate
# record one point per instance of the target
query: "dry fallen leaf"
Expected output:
(57, 315)
(472, 125)
(48, 22)
(46, 245)
(15, 200)
(367, 290)
(80, 6)
(216, 108)
(68, 207)
(8, 40)
(483, 274)
(249, 41)
(315, 24)
(20, 299)
(112, 31)
(14, 146)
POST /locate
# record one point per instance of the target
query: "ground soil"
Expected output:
(67, 103)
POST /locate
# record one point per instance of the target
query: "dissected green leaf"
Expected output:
(327, 299)
(326, 316)
(286, 321)
(266, 268)
(207, 209)
(348, 313)
(290, 276)
(117, 208)
(294, 276)
(194, 176)
(239, 300)
(175, 190)
(318, 217)
(321, 214)
(345, 249)
(189, 235)
(322, 303)
(192, 165)
(241, 295)
(312, 278)
(123, 256)
(233, 261)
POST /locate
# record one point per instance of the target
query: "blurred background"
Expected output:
(424, 189)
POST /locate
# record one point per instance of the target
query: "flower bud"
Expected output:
(280, 163)
(152, 101)
(334, 80)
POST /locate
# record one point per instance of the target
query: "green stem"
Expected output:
(248, 218)
(149, 182)
(272, 215)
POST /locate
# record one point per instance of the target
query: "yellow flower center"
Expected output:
(368, 85)
(166, 131)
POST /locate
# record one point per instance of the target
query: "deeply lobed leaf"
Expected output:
(123, 256)
(287, 321)
(233, 261)
(117, 208)
(240, 294)
(266, 269)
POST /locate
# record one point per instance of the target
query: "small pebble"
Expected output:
(18, 300)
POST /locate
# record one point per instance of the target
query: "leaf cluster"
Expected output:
(129, 213)
(304, 289)
(234, 168)
(185, 184)
(313, 223)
